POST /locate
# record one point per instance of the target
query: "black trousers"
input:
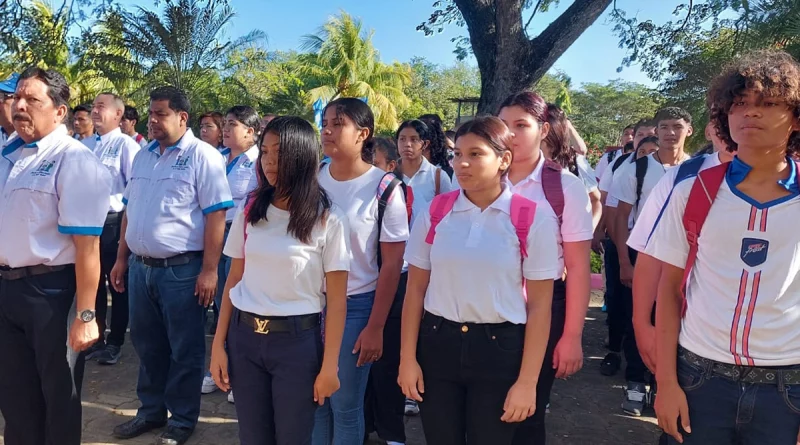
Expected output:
(468, 370)
(384, 407)
(614, 307)
(39, 398)
(635, 369)
(532, 431)
(273, 375)
(109, 242)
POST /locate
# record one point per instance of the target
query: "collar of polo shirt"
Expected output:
(738, 170)
(42, 143)
(502, 203)
(535, 176)
(181, 145)
(109, 135)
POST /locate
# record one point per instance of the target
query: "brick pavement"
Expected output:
(585, 410)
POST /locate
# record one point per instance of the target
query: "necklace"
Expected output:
(660, 162)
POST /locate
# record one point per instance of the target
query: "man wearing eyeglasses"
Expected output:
(7, 88)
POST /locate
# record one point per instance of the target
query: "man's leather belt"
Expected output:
(177, 260)
(265, 325)
(16, 273)
(114, 218)
(744, 374)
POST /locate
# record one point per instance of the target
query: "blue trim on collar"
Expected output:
(225, 151)
(12, 146)
(232, 164)
(224, 205)
(738, 170)
(87, 231)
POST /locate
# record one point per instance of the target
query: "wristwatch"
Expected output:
(86, 316)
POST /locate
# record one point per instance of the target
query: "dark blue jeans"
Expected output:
(724, 411)
(167, 333)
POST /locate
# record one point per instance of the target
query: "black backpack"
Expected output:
(641, 171)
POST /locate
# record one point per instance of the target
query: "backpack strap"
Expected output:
(611, 155)
(620, 160)
(704, 191)
(690, 168)
(139, 137)
(386, 187)
(641, 171)
(409, 193)
(553, 189)
(523, 211)
(438, 182)
(440, 207)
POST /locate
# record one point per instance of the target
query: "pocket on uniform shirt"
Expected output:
(34, 198)
(178, 188)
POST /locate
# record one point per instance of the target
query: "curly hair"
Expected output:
(438, 145)
(769, 73)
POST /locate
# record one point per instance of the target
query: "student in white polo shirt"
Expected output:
(356, 186)
(288, 243)
(551, 187)
(54, 195)
(608, 157)
(116, 151)
(173, 228)
(729, 348)
(480, 345)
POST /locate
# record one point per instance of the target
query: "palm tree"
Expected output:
(344, 63)
(184, 46)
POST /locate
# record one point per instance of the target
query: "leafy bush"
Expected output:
(596, 262)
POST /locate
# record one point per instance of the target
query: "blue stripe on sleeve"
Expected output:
(221, 206)
(124, 201)
(72, 230)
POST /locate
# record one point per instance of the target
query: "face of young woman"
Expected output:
(380, 161)
(410, 144)
(209, 132)
(528, 132)
(270, 147)
(761, 122)
(236, 135)
(477, 166)
(341, 137)
(646, 149)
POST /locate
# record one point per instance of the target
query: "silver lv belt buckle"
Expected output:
(262, 326)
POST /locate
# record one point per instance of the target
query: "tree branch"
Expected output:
(533, 14)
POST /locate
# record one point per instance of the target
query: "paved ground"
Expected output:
(585, 410)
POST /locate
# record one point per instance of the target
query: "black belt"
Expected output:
(228, 225)
(16, 273)
(744, 374)
(177, 260)
(265, 325)
(113, 218)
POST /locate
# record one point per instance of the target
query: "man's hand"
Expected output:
(597, 243)
(520, 402)
(646, 342)
(568, 356)
(626, 274)
(117, 276)
(370, 344)
(83, 334)
(670, 406)
(325, 385)
(206, 287)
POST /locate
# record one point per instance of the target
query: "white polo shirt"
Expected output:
(50, 190)
(358, 201)
(282, 275)
(168, 196)
(654, 207)
(139, 139)
(241, 174)
(744, 290)
(116, 151)
(576, 222)
(423, 184)
(624, 186)
(586, 174)
(603, 163)
(476, 270)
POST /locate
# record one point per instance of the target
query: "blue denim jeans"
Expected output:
(723, 411)
(223, 269)
(341, 420)
(167, 333)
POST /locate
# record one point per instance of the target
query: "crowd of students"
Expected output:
(448, 275)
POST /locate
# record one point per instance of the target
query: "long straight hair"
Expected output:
(298, 163)
(558, 140)
(360, 113)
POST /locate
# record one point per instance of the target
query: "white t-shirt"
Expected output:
(474, 261)
(653, 208)
(423, 184)
(624, 185)
(358, 201)
(603, 163)
(576, 222)
(744, 290)
(282, 275)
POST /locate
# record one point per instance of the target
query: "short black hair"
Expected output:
(80, 108)
(631, 127)
(643, 123)
(177, 98)
(647, 140)
(672, 113)
(131, 114)
(57, 87)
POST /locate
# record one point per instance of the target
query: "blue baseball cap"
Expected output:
(10, 85)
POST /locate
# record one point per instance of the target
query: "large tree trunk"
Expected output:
(510, 62)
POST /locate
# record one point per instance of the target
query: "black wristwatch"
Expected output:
(86, 316)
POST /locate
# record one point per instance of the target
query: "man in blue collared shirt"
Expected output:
(172, 230)
(54, 199)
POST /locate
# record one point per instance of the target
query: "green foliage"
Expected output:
(433, 86)
(596, 263)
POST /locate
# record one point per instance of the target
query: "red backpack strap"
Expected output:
(409, 202)
(440, 207)
(702, 196)
(523, 211)
(553, 190)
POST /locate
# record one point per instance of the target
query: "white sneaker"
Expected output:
(208, 385)
(230, 397)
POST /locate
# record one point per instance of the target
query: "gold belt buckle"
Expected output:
(262, 326)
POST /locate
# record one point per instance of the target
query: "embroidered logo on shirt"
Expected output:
(112, 152)
(754, 251)
(45, 168)
(247, 164)
(181, 164)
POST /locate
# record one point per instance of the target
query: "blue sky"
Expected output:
(594, 57)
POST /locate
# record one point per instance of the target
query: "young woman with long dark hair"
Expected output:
(355, 186)
(286, 242)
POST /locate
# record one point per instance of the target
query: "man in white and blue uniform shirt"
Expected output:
(54, 195)
(116, 151)
(173, 228)
(7, 88)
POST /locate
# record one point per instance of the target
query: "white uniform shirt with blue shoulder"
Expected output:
(50, 190)
(116, 151)
(476, 271)
(241, 174)
(169, 195)
(88, 141)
